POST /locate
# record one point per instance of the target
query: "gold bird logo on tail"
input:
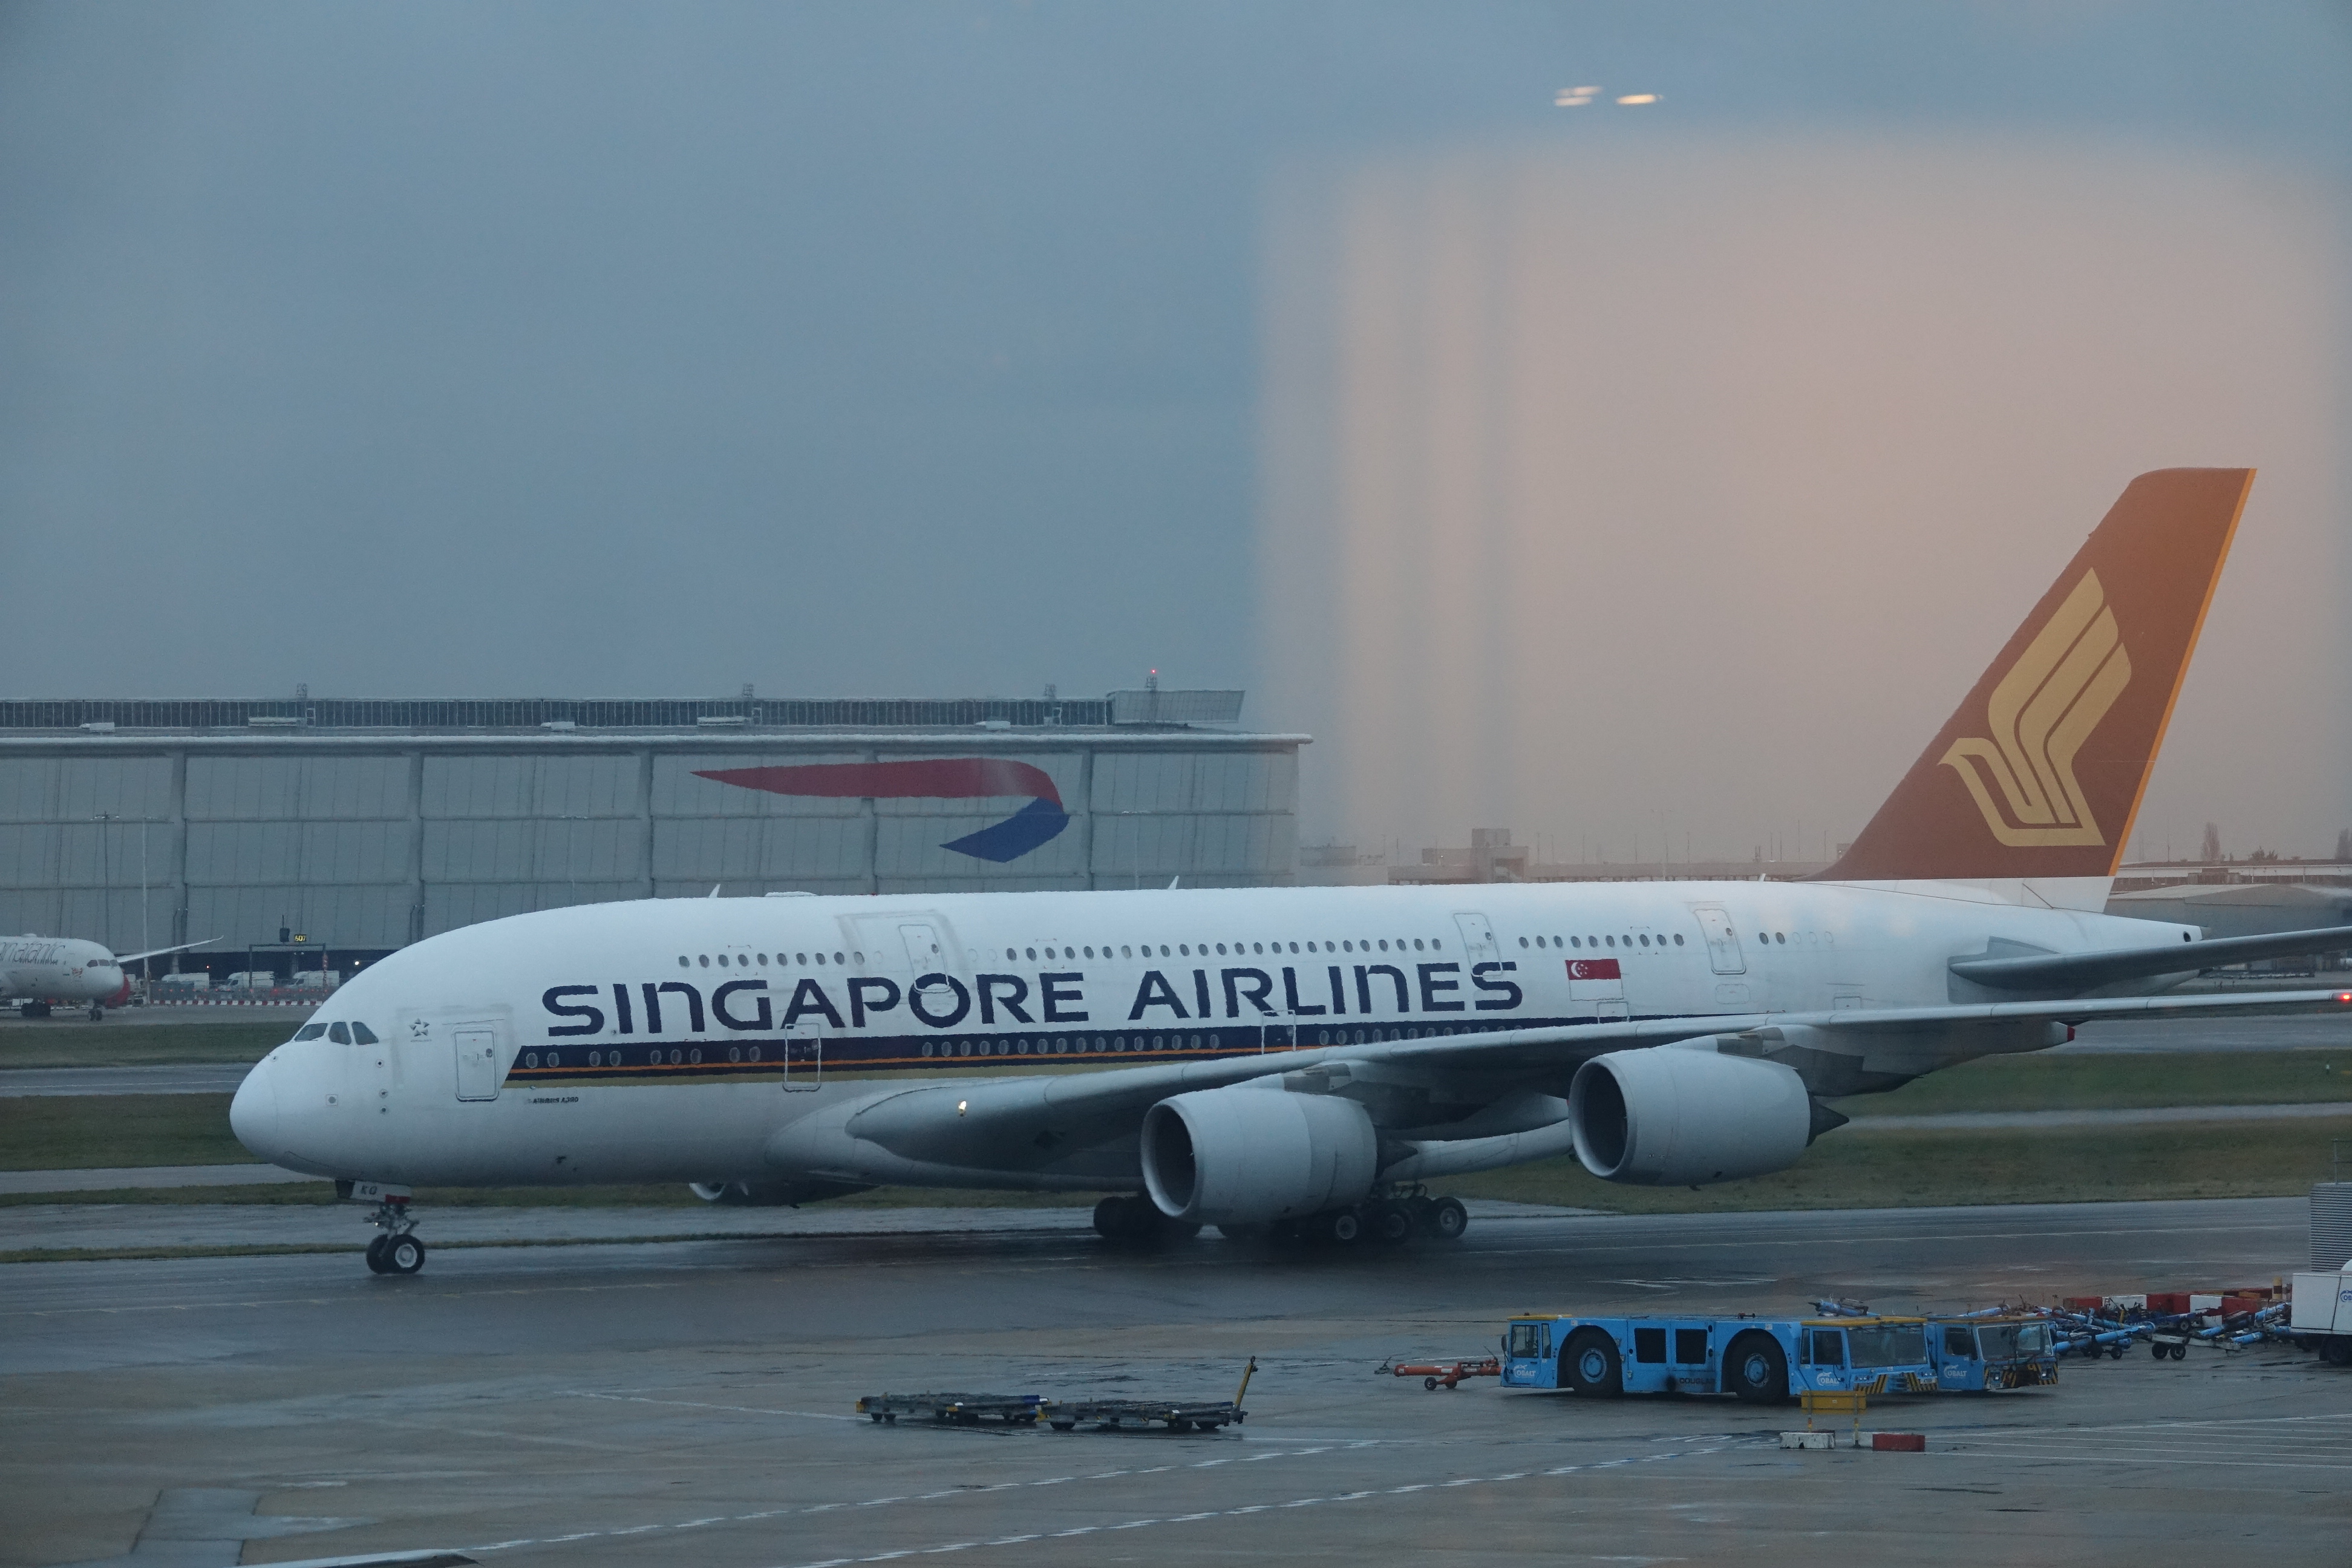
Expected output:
(2039, 715)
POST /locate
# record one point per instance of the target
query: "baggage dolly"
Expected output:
(1113, 1415)
(955, 1409)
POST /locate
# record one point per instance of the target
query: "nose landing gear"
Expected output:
(399, 1250)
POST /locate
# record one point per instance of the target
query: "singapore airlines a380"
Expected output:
(1306, 1058)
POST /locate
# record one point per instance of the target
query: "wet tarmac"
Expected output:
(690, 1403)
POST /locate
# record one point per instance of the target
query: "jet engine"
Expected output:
(1245, 1155)
(1676, 1116)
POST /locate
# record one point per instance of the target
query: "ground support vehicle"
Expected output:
(955, 1409)
(2320, 1315)
(1443, 1375)
(1110, 1415)
(1980, 1355)
(1761, 1361)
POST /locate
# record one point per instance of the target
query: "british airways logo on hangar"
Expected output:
(947, 778)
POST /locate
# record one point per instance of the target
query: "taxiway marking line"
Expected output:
(1258, 1507)
(898, 1552)
(875, 1502)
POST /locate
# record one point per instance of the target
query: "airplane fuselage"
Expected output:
(671, 1040)
(59, 969)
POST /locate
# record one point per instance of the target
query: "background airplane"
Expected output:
(41, 973)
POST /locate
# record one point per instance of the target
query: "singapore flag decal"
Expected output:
(948, 778)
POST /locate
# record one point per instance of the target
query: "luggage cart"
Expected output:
(1115, 1414)
(955, 1409)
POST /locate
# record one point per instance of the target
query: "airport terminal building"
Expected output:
(289, 830)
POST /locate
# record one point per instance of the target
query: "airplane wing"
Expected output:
(2082, 971)
(1026, 1123)
(160, 951)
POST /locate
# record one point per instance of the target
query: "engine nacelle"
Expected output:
(1672, 1116)
(1245, 1155)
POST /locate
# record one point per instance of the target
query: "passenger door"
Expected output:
(476, 1045)
(1477, 939)
(1722, 941)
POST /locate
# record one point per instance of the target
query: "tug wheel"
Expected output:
(1590, 1365)
(1757, 1369)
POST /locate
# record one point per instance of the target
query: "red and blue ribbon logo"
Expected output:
(948, 778)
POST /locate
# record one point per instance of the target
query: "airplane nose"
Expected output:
(253, 1113)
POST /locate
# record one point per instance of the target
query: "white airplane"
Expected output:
(1306, 1058)
(40, 972)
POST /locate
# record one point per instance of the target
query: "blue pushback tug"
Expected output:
(1763, 1361)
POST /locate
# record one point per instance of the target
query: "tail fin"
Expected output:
(2040, 774)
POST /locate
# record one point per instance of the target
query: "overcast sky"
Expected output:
(891, 349)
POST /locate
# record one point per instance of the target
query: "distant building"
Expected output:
(360, 826)
(1493, 858)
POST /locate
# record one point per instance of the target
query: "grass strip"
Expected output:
(2120, 1081)
(1910, 1169)
(93, 1131)
(63, 1043)
(1845, 1170)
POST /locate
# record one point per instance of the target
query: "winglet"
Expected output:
(2041, 771)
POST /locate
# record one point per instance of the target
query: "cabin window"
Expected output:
(800, 958)
(1650, 1345)
(706, 961)
(735, 1053)
(1678, 939)
(1690, 1346)
(1527, 1339)
(1780, 937)
(530, 1058)
(685, 963)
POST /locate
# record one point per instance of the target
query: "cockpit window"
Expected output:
(309, 1031)
(364, 1036)
(341, 1034)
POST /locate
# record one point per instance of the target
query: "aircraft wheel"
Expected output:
(1590, 1366)
(376, 1254)
(97, 1014)
(1392, 1225)
(403, 1254)
(1448, 1219)
(1755, 1368)
(1343, 1226)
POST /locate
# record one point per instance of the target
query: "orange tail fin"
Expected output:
(2040, 774)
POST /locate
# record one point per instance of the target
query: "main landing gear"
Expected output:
(399, 1250)
(97, 1014)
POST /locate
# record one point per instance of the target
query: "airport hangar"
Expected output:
(325, 833)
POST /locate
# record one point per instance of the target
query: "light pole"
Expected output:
(105, 820)
(571, 856)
